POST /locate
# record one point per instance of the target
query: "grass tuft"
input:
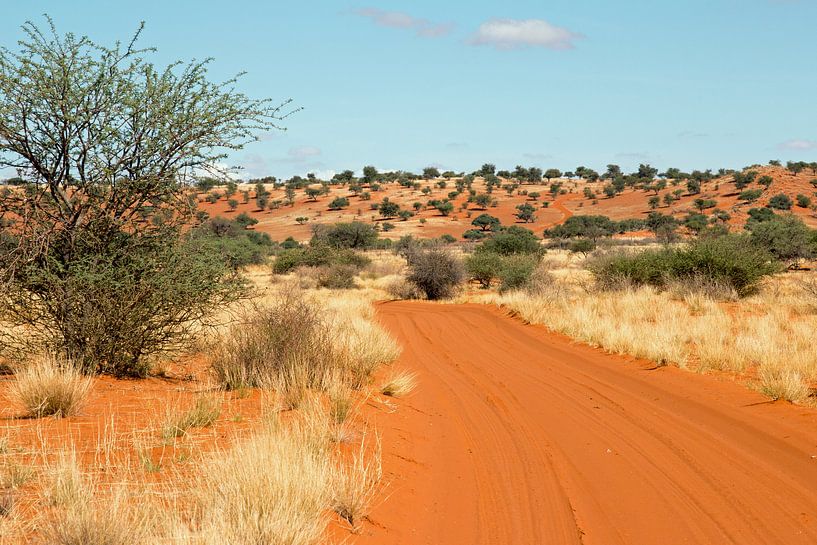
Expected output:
(50, 386)
(399, 384)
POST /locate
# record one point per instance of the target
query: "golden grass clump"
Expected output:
(50, 386)
(399, 384)
(355, 485)
(273, 488)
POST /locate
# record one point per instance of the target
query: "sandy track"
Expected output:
(518, 436)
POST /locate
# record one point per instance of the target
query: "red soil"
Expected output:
(516, 435)
(631, 203)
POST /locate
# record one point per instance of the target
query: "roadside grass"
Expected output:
(278, 479)
(769, 335)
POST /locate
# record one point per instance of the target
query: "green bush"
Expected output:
(785, 237)
(483, 267)
(731, 260)
(356, 235)
(516, 271)
(513, 240)
(781, 201)
(317, 255)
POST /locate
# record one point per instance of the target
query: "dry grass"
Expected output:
(50, 386)
(399, 384)
(701, 329)
(355, 485)
(204, 412)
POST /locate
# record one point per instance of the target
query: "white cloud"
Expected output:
(507, 34)
(398, 19)
(300, 154)
(798, 145)
(537, 156)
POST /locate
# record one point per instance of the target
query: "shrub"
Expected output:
(731, 260)
(338, 203)
(236, 245)
(317, 255)
(337, 277)
(785, 237)
(120, 298)
(483, 267)
(516, 271)
(803, 201)
(582, 246)
(356, 235)
(50, 386)
(592, 227)
(513, 240)
(750, 195)
(436, 272)
(781, 201)
(287, 345)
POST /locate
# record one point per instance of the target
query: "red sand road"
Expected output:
(517, 436)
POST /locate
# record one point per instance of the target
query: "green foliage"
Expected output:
(786, 237)
(512, 240)
(803, 201)
(486, 222)
(750, 195)
(525, 213)
(516, 271)
(101, 269)
(339, 203)
(475, 234)
(730, 260)
(483, 267)
(317, 255)
(592, 227)
(757, 215)
(245, 220)
(696, 222)
(582, 246)
(389, 209)
(781, 201)
(237, 246)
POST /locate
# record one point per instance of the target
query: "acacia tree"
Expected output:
(93, 259)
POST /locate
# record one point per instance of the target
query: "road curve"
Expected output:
(518, 436)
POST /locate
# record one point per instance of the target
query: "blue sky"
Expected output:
(403, 85)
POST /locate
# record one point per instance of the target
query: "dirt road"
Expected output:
(517, 436)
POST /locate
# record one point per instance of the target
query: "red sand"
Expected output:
(517, 436)
(631, 203)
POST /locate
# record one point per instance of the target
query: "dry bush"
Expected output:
(50, 386)
(337, 277)
(273, 345)
(404, 290)
(204, 412)
(399, 384)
